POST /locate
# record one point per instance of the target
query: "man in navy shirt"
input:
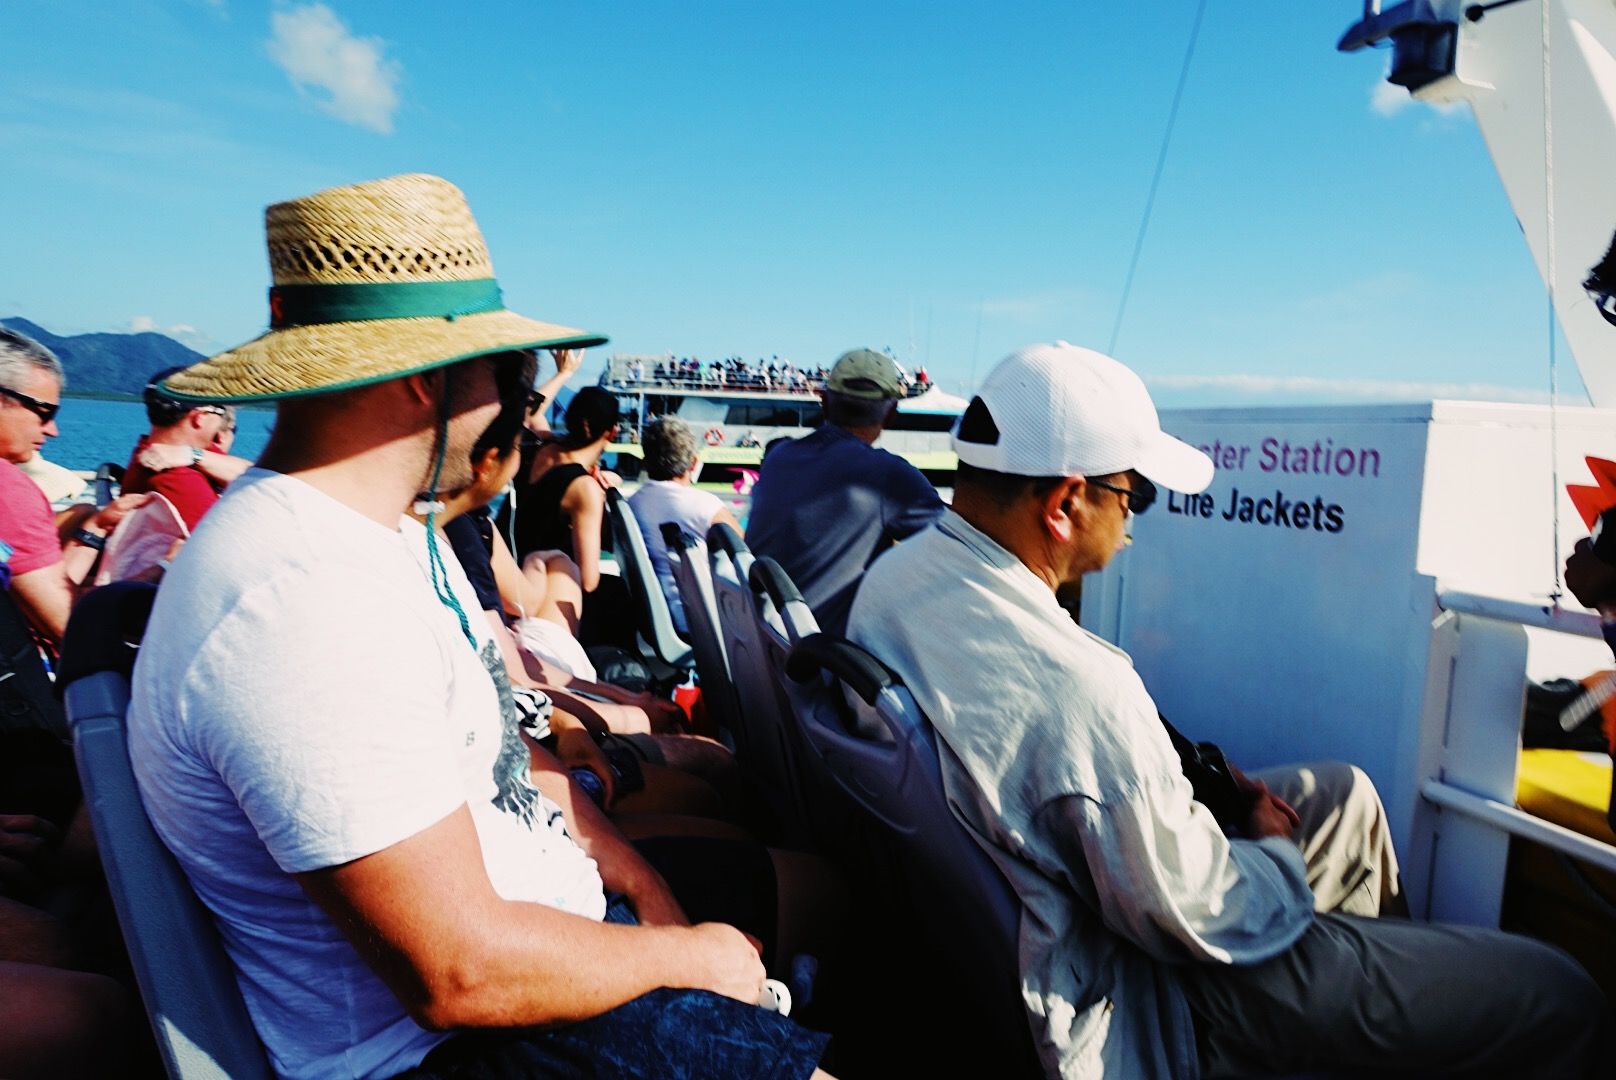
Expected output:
(827, 504)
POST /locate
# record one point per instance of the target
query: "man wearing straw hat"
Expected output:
(327, 745)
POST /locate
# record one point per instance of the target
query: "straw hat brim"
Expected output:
(320, 359)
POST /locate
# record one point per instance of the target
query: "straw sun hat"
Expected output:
(371, 282)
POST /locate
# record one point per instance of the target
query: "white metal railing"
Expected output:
(1493, 812)
(1518, 822)
(1541, 616)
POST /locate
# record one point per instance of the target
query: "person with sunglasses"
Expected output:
(45, 565)
(184, 457)
(1156, 940)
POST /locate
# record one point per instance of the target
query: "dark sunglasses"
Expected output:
(45, 410)
(1140, 496)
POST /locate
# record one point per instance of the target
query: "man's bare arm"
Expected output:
(45, 597)
(425, 917)
(222, 469)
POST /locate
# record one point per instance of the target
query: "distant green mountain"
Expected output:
(108, 363)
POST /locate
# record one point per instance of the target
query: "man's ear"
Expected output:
(1064, 507)
(424, 386)
(484, 463)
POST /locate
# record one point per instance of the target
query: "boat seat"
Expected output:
(864, 727)
(784, 620)
(653, 620)
(763, 734)
(27, 696)
(108, 482)
(693, 574)
(186, 981)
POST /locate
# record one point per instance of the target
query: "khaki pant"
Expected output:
(1344, 836)
(1365, 995)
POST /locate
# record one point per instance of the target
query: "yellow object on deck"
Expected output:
(1567, 787)
(1547, 895)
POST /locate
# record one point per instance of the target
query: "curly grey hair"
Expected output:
(670, 448)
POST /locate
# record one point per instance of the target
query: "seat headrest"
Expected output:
(105, 630)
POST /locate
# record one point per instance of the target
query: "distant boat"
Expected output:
(738, 414)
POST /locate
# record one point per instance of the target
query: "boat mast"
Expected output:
(1541, 81)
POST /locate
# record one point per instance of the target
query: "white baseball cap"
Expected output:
(1061, 410)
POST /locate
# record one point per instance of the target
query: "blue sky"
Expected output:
(951, 180)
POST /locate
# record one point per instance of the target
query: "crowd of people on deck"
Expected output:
(729, 373)
(389, 716)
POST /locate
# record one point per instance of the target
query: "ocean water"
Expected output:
(94, 431)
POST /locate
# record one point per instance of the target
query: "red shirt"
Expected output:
(188, 488)
(27, 526)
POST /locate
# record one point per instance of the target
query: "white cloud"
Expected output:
(1388, 100)
(184, 333)
(319, 53)
(1294, 386)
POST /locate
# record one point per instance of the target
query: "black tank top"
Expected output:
(541, 524)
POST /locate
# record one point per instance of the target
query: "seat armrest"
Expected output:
(857, 669)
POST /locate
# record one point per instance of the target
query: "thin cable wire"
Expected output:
(1155, 180)
(1550, 278)
(976, 344)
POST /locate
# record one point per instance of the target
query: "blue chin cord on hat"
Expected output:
(432, 506)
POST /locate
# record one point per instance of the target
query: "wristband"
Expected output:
(90, 539)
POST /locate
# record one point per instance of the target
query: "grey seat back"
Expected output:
(186, 981)
(762, 738)
(653, 620)
(693, 574)
(783, 620)
(866, 732)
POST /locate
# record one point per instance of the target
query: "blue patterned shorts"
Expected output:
(663, 1035)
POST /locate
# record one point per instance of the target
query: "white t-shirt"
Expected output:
(302, 699)
(663, 501)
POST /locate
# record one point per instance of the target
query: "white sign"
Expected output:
(1285, 612)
